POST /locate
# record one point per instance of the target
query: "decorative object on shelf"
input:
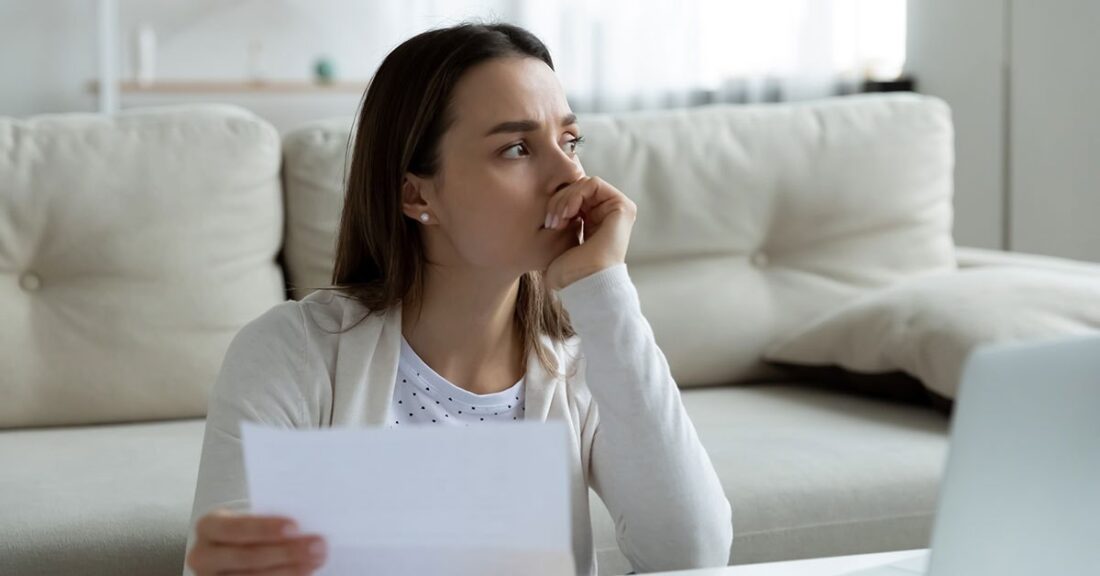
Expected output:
(324, 70)
(903, 83)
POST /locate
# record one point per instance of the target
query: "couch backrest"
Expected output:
(132, 248)
(751, 219)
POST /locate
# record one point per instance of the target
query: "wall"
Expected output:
(956, 51)
(47, 54)
(1055, 127)
(1021, 78)
(49, 49)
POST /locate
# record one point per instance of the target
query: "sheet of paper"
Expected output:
(448, 500)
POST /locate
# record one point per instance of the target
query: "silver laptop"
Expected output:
(1021, 490)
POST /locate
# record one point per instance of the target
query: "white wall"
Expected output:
(47, 54)
(1055, 128)
(212, 39)
(48, 48)
(956, 51)
(1022, 80)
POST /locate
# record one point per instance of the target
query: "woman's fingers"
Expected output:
(557, 205)
(574, 203)
(553, 205)
(297, 554)
(587, 195)
(280, 571)
(223, 527)
(230, 543)
(571, 204)
(601, 212)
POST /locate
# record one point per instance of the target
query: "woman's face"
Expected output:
(509, 149)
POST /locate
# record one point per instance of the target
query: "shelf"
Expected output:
(239, 87)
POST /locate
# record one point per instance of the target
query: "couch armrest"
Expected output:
(981, 257)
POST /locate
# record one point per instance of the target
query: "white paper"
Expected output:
(449, 500)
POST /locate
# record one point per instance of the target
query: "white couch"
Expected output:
(132, 248)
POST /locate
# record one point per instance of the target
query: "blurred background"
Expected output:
(1020, 76)
(610, 55)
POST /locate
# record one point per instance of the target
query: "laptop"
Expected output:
(1021, 490)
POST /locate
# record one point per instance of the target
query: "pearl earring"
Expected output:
(423, 216)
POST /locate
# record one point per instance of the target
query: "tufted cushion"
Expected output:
(132, 248)
(751, 219)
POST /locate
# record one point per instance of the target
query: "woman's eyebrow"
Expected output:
(526, 125)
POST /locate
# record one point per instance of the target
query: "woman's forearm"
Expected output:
(647, 463)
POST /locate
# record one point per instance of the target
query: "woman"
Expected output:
(475, 256)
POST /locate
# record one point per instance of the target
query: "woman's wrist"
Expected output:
(567, 277)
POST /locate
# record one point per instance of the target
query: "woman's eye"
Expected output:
(577, 143)
(513, 147)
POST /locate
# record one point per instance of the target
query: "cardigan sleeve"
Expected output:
(259, 381)
(647, 463)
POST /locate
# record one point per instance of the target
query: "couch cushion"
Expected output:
(811, 472)
(313, 176)
(132, 248)
(98, 500)
(928, 326)
(751, 219)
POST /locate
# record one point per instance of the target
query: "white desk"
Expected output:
(914, 560)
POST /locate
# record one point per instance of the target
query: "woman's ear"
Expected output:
(413, 203)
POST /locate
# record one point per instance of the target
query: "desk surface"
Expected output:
(832, 566)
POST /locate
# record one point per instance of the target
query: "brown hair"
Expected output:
(404, 114)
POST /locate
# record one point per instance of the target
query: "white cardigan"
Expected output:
(632, 440)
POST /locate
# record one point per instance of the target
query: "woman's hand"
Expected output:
(226, 542)
(608, 217)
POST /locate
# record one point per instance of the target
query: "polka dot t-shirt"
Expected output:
(421, 396)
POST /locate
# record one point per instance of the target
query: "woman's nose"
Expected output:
(570, 173)
(568, 181)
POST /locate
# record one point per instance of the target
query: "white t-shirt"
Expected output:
(422, 396)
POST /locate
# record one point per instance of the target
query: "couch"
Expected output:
(133, 247)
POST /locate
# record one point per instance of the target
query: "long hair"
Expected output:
(380, 252)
